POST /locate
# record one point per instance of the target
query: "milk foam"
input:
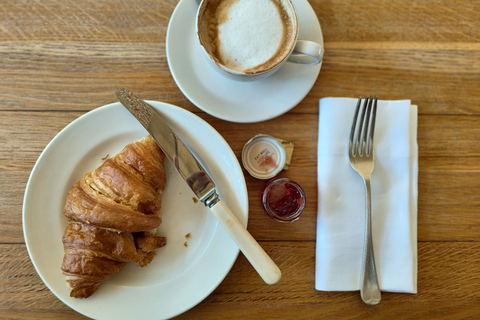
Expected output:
(251, 33)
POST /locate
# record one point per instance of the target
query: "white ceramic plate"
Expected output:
(179, 277)
(229, 99)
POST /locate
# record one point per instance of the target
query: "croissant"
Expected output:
(112, 214)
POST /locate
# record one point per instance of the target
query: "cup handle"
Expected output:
(307, 53)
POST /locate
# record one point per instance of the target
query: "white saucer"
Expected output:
(229, 99)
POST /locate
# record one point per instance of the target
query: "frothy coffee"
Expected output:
(249, 36)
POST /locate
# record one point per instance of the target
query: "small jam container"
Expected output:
(284, 199)
(263, 156)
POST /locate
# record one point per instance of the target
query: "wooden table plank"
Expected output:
(56, 77)
(452, 282)
(145, 20)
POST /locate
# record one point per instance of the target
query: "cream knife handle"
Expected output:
(259, 259)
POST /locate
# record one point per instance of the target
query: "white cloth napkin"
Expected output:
(341, 198)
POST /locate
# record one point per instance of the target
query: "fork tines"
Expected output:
(366, 124)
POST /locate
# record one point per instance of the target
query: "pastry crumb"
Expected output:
(195, 200)
(106, 157)
(187, 236)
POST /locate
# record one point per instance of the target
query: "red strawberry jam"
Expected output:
(284, 199)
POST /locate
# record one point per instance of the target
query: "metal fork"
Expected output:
(360, 151)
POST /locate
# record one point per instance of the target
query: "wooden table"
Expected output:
(61, 58)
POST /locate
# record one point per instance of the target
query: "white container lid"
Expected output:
(263, 156)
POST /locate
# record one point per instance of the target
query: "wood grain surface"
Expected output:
(62, 58)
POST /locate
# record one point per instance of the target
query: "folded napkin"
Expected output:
(341, 198)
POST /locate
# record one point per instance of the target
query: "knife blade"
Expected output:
(199, 182)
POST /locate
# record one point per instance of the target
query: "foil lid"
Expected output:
(264, 156)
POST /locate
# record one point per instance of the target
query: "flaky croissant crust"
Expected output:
(109, 211)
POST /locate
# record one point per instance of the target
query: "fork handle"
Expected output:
(369, 288)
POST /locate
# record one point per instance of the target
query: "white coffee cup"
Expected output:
(250, 40)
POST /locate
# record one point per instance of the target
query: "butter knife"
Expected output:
(200, 182)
